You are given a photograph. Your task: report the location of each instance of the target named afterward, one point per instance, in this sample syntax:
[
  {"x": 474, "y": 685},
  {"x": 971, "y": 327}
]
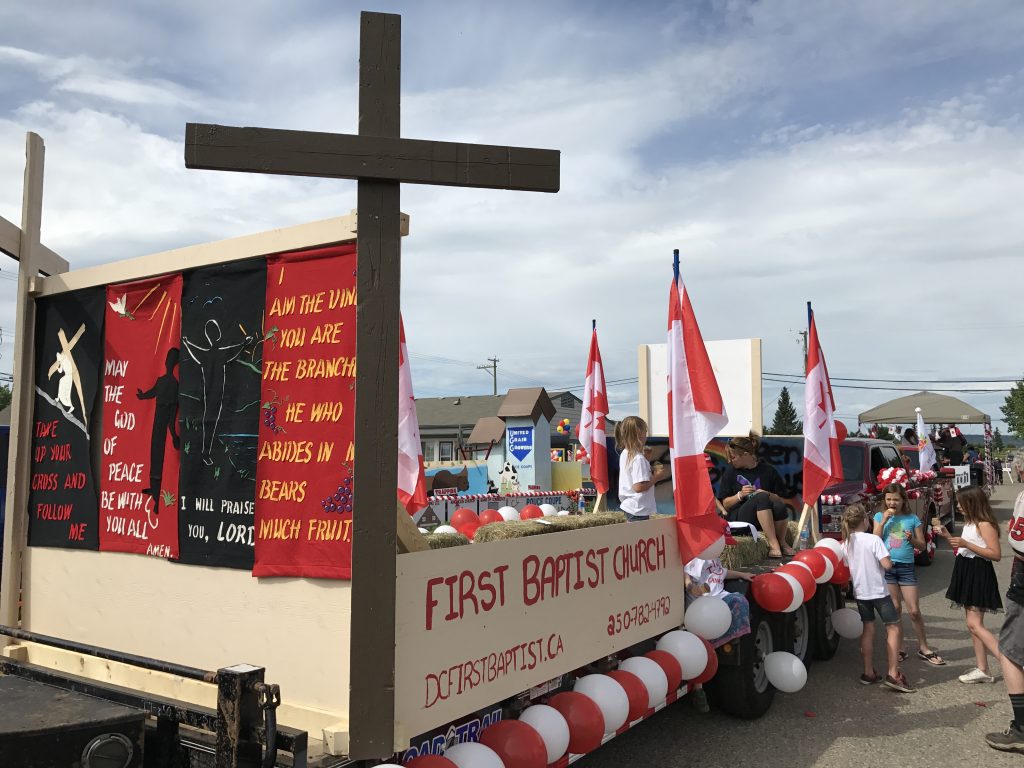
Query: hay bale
[
  {"x": 445, "y": 540},
  {"x": 575, "y": 522},
  {"x": 511, "y": 529},
  {"x": 744, "y": 553}
]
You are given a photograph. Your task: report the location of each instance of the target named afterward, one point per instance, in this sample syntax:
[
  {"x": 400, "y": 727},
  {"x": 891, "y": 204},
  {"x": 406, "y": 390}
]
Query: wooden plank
[
  {"x": 18, "y": 469},
  {"x": 49, "y": 263},
  {"x": 374, "y": 537},
  {"x": 345, "y": 156},
  {"x": 326, "y": 232}
]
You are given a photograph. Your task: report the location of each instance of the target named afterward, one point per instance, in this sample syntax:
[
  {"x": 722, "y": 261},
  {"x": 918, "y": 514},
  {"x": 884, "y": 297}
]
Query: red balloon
[
  {"x": 813, "y": 559},
  {"x": 803, "y": 576},
  {"x": 530, "y": 512},
  {"x": 711, "y": 669},
  {"x": 468, "y": 528},
  {"x": 586, "y": 723},
  {"x": 462, "y": 516},
  {"x": 841, "y": 576},
  {"x": 772, "y": 592},
  {"x": 635, "y": 690},
  {"x": 670, "y": 666},
  {"x": 489, "y": 516},
  {"x": 430, "y": 761},
  {"x": 826, "y": 552},
  {"x": 517, "y": 744}
]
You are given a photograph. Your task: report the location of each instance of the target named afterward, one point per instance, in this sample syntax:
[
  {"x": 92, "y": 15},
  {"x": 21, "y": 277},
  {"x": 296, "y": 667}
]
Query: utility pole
[{"x": 493, "y": 368}]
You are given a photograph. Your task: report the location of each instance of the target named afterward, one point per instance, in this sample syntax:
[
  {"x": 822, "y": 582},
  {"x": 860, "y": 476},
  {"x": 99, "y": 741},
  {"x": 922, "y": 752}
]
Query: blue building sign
[{"x": 520, "y": 441}]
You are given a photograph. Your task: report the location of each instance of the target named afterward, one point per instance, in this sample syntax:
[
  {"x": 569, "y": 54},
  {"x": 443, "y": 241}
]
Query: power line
[{"x": 894, "y": 389}]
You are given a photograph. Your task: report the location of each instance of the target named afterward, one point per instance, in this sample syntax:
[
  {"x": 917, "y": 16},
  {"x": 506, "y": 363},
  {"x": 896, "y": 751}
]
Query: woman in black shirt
[{"x": 751, "y": 492}]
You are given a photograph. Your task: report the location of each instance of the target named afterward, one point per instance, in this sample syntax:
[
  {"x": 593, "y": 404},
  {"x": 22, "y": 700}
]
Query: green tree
[
  {"x": 997, "y": 442},
  {"x": 1013, "y": 410},
  {"x": 786, "y": 421},
  {"x": 5, "y": 396}
]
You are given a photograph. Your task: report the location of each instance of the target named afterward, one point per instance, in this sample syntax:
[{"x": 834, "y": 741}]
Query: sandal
[
  {"x": 902, "y": 656},
  {"x": 932, "y": 658},
  {"x": 774, "y": 555},
  {"x": 788, "y": 551}
]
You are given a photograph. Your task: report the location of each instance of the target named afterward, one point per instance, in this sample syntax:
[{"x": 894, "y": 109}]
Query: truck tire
[
  {"x": 744, "y": 691},
  {"x": 798, "y": 632},
  {"x": 824, "y": 639}
]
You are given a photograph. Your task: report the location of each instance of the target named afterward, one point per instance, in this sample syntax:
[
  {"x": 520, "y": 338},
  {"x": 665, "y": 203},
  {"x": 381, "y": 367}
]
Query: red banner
[
  {"x": 139, "y": 475},
  {"x": 304, "y": 464}
]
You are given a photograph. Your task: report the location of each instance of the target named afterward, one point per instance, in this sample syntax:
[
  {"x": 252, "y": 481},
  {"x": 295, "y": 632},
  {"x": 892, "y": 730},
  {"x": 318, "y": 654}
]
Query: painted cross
[{"x": 380, "y": 160}]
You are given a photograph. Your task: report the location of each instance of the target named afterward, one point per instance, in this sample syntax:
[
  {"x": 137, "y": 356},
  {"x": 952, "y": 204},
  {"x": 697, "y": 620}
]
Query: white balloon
[
  {"x": 829, "y": 570},
  {"x": 564, "y": 513},
  {"x": 714, "y": 550},
  {"x": 424, "y": 530},
  {"x": 785, "y": 671},
  {"x": 552, "y": 727},
  {"x": 548, "y": 510},
  {"x": 847, "y": 623},
  {"x": 832, "y": 544},
  {"x": 609, "y": 696},
  {"x": 798, "y": 592},
  {"x": 709, "y": 617},
  {"x": 651, "y": 675},
  {"x": 445, "y": 529},
  {"x": 687, "y": 648},
  {"x": 472, "y": 754},
  {"x": 508, "y": 513}
]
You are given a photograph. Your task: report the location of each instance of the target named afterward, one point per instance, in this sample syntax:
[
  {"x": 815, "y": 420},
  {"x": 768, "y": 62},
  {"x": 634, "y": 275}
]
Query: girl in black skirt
[{"x": 973, "y": 584}]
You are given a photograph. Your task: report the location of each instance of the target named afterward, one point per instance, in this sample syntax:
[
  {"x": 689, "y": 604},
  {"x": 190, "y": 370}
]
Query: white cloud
[{"x": 906, "y": 211}]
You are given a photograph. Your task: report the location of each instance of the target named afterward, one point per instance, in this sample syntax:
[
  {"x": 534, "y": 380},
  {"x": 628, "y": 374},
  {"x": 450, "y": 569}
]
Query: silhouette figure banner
[{"x": 141, "y": 440}]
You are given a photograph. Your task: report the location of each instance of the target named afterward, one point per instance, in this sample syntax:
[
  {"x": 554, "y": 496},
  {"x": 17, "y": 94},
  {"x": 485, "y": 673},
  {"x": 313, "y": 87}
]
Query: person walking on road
[
  {"x": 868, "y": 560},
  {"x": 902, "y": 532},
  {"x": 973, "y": 585},
  {"x": 1011, "y": 639}
]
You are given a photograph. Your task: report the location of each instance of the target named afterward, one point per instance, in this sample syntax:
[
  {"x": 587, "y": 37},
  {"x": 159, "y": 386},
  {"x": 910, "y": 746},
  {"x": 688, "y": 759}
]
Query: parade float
[{"x": 203, "y": 527}]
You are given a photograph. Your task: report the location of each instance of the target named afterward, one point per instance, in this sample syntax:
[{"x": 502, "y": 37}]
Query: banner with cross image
[{"x": 69, "y": 350}]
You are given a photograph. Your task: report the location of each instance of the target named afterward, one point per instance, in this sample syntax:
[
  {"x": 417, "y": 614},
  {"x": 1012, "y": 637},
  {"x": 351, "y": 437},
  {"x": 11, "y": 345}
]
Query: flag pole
[
  {"x": 809, "y": 514},
  {"x": 600, "y": 501}
]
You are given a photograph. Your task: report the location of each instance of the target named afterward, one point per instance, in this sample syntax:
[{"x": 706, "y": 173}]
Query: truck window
[
  {"x": 878, "y": 462},
  {"x": 891, "y": 457},
  {"x": 853, "y": 461}
]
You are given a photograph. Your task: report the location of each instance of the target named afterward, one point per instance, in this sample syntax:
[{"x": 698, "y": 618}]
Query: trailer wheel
[
  {"x": 824, "y": 639},
  {"x": 798, "y": 637},
  {"x": 744, "y": 690}
]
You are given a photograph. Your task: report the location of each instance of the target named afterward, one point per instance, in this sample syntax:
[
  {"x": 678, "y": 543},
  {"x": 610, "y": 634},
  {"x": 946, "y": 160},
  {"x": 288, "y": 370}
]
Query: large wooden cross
[{"x": 380, "y": 160}]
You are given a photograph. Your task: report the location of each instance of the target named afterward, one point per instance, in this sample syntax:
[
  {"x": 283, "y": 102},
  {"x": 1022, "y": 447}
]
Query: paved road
[{"x": 835, "y": 721}]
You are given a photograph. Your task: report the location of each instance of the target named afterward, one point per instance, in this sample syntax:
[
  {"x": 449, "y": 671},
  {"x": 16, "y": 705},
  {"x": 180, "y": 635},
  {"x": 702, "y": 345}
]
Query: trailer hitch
[{"x": 268, "y": 696}]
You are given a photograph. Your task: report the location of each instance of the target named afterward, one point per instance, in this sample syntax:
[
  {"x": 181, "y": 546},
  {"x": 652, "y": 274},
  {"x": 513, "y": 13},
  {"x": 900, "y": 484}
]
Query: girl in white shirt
[
  {"x": 636, "y": 481},
  {"x": 973, "y": 584},
  {"x": 868, "y": 559}
]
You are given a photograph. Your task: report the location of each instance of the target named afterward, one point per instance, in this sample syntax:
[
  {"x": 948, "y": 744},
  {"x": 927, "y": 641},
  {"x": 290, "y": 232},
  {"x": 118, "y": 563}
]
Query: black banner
[
  {"x": 222, "y": 339},
  {"x": 63, "y": 510}
]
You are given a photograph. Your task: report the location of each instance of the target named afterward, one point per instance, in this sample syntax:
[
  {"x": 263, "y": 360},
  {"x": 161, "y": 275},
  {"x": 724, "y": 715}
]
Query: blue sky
[{"x": 866, "y": 156}]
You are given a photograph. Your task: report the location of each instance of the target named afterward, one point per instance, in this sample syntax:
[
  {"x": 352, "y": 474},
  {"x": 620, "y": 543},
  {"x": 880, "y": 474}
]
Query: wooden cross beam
[{"x": 380, "y": 160}]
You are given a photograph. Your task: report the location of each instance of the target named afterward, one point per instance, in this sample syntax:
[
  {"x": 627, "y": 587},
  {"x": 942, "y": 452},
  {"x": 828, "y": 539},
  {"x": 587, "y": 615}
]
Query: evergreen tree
[
  {"x": 997, "y": 442},
  {"x": 5, "y": 396},
  {"x": 1013, "y": 410},
  {"x": 786, "y": 421}
]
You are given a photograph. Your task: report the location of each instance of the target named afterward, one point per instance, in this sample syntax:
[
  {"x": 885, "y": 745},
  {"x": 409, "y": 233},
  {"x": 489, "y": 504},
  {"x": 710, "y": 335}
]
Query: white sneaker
[{"x": 976, "y": 676}]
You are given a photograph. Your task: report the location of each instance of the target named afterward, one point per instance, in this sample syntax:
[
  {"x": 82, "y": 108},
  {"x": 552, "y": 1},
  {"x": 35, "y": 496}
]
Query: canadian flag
[
  {"x": 696, "y": 414},
  {"x": 592, "y": 420},
  {"x": 822, "y": 462},
  {"x": 412, "y": 483}
]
